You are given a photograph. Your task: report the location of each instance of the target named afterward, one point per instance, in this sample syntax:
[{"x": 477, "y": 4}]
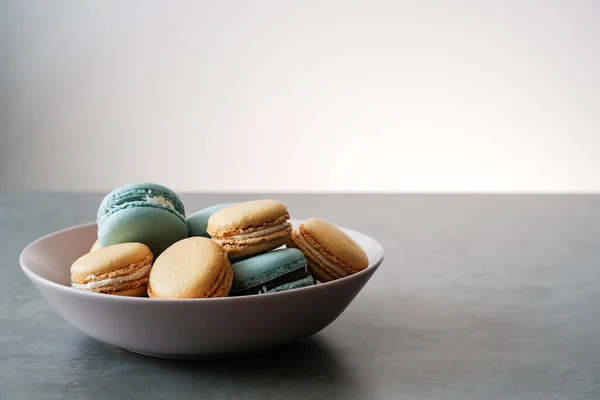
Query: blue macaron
[
  {"x": 146, "y": 213},
  {"x": 275, "y": 271},
  {"x": 198, "y": 221}
]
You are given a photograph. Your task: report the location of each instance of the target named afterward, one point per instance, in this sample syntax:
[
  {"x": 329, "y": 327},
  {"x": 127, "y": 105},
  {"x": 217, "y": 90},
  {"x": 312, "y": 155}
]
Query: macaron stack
[{"x": 147, "y": 247}]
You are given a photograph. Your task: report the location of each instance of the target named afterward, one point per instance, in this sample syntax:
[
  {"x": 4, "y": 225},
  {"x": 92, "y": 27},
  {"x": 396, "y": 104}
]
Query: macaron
[
  {"x": 275, "y": 271},
  {"x": 250, "y": 228},
  {"x": 195, "y": 267},
  {"x": 331, "y": 254},
  {"x": 121, "y": 269},
  {"x": 198, "y": 221},
  {"x": 95, "y": 246},
  {"x": 146, "y": 213}
]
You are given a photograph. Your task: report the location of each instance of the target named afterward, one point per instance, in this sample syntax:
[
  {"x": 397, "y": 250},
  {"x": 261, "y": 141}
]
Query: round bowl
[{"x": 180, "y": 328}]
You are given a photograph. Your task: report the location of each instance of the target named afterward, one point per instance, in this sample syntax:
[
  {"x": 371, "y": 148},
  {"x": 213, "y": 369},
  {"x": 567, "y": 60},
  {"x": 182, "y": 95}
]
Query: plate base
[{"x": 224, "y": 356}]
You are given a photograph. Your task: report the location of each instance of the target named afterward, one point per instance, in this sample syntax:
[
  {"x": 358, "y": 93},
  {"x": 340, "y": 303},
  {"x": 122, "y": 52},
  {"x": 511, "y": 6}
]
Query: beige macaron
[
  {"x": 250, "y": 228},
  {"x": 330, "y": 253},
  {"x": 96, "y": 246},
  {"x": 121, "y": 269},
  {"x": 195, "y": 267}
]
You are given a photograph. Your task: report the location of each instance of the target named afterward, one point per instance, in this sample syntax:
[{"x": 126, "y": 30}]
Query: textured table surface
[{"x": 479, "y": 297}]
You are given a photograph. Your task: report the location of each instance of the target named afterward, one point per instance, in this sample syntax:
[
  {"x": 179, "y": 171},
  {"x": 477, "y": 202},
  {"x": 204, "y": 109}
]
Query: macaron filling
[
  {"x": 137, "y": 274},
  {"x": 319, "y": 256},
  {"x": 261, "y": 232},
  {"x": 162, "y": 201}
]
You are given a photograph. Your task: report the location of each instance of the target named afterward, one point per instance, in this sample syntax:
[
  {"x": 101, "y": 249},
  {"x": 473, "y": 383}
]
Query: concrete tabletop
[{"x": 479, "y": 297}]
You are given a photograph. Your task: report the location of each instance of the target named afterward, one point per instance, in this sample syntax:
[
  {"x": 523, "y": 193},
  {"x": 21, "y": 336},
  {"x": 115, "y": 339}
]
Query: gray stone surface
[{"x": 479, "y": 297}]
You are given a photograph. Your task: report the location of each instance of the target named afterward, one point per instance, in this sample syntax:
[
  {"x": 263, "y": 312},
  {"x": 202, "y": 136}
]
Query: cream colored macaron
[
  {"x": 250, "y": 228},
  {"x": 195, "y": 267},
  {"x": 331, "y": 254},
  {"x": 96, "y": 246},
  {"x": 121, "y": 269}
]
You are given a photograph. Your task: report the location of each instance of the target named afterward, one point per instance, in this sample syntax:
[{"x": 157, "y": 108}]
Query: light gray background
[{"x": 370, "y": 95}]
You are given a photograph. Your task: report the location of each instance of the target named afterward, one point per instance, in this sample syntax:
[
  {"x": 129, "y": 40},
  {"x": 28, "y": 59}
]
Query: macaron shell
[
  {"x": 335, "y": 241},
  {"x": 277, "y": 262},
  {"x": 96, "y": 246},
  {"x": 236, "y": 251},
  {"x": 305, "y": 282},
  {"x": 191, "y": 268},
  {"x": 140, "y": 291},
  {"x": 224, "y": 288},
  {"x": 156, "y": 228},
  {"x": 318, "y": 270},
  {"x": 265, "y": 270},
  {"x": 139, "y": 192},
  {"x": 318, "y": 273},
  {"x": 110, "y": 258},
  {"x": 243, "y": 215},
  {"x": 198, "y": 222}
]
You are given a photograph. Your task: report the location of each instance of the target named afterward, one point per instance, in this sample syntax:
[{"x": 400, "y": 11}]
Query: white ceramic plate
[{"x": 188, "y": 327}]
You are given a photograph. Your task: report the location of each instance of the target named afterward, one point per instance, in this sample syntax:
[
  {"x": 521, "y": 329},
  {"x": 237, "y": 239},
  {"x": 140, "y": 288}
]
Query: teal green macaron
[
  {"x": 275, "y": 271},
  {"x": 198, "y": 221},
  {"x": 146, "y": 213}
]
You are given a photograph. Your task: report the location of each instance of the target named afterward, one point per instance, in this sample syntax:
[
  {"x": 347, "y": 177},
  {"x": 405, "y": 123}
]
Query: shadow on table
[
  {"x": 311, "y": 366},
  {"x": 309, "y": 357}
]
